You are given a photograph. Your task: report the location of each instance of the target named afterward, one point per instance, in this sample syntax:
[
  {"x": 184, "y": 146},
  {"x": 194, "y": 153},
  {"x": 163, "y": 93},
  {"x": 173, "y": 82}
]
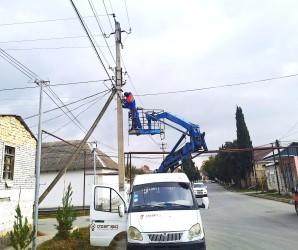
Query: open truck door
[{"x": 108, "y": 215}]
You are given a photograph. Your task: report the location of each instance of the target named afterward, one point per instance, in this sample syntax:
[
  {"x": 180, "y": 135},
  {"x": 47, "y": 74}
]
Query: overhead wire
[
  {"x": 84, "y": 104},
  {"x": 221, "y": 86},
  {"x": 45, "y": 39},
  {"x": 84, "y": 98},
  {"x": 18, "y": 65},
  {"x": 100, "y": 27},
  {"x": 57, "y": 48},
  {"x": 90, "y": 39},
  {"x": 32, "y": 76},
  {"x": 127, "y": 14},
  {"x": 77, "y": 115},
  {"x": 44, "y": 21},
  {"x": 53, "y": 85},
  {"x": 107, "y": 13}
]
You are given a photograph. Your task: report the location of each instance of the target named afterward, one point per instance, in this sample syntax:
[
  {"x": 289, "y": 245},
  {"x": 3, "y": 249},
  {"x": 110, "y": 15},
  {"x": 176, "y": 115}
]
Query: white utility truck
[{"x": 162, "y": 213}]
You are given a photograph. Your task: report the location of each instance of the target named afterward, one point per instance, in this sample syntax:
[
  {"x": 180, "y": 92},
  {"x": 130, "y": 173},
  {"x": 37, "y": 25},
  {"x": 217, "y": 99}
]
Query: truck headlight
[
  {"x": 195, "y": 231},
  {"x": 134, "y": 234}
]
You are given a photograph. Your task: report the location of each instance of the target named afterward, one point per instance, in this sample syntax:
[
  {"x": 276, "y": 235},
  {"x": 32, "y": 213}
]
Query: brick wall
[{"x": 21, "y": 188}]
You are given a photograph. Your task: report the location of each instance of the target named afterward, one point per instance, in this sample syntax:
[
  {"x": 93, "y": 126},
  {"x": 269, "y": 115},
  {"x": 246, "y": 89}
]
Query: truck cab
[{"x": 162, "y": 212}]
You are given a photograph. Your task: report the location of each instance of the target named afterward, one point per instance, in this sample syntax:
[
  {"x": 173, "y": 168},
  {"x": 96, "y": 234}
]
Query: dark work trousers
[{"x": 136, "y": 123}]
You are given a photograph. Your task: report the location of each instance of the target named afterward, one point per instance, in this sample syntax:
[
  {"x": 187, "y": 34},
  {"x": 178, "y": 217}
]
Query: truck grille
[{"x": 165, "y": 237}]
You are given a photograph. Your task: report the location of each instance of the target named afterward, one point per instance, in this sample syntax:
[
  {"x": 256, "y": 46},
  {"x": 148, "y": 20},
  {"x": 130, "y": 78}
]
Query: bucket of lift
[{"x": 144, "y": 123}]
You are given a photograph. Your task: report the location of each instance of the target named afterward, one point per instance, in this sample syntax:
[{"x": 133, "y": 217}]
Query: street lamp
[{"x": 94, "y": 146}]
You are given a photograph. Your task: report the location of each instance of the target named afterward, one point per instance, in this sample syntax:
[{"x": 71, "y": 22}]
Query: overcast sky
[{"x": 175, "y": 45}]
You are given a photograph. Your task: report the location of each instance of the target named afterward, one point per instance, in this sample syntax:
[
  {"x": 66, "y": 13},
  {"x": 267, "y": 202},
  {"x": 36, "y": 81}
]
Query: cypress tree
[{"x": 245, "y": 159}]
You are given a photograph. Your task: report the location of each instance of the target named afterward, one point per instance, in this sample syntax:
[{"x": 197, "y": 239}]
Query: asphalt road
[{"x": 237, "y": 221}]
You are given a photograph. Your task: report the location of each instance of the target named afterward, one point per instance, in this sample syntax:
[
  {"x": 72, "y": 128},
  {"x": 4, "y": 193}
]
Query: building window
[{"x": 9, "y": 156}]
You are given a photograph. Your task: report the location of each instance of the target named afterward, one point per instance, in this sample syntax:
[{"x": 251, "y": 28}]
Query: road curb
[{"x": 271, "y": 198}]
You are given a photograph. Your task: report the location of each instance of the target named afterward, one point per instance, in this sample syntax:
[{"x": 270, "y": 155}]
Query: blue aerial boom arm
[{"x": 197, "y": 141}]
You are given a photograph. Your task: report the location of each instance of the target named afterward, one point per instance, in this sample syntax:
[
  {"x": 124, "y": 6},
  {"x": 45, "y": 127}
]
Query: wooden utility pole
[{"x": 121, "y": 168}]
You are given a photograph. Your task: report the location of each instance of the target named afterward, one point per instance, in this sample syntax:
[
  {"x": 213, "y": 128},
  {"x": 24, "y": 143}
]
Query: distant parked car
[
  {"x": 213, "y": 181},
  {"x": 200, "y": 190}
]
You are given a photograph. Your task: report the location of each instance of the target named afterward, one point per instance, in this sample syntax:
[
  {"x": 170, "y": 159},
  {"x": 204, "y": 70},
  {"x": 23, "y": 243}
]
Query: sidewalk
[{"x": 268, "y": 197}]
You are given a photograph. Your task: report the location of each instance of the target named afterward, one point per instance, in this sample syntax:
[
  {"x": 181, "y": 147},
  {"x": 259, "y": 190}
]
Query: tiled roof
[{"x": 55, "y": 155}]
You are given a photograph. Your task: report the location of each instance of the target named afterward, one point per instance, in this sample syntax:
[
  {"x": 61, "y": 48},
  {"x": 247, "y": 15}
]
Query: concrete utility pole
[
  {"x": 37, "y": 164},
  {"x": 121, "y": 167}
]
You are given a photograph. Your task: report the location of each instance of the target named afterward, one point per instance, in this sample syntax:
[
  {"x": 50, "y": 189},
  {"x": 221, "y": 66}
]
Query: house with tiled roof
[
  {"x": 285, "y": 164},
  {"x": 55, "y": 155}
]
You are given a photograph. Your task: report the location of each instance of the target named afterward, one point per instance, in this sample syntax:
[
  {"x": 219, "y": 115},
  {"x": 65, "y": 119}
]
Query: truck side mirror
[{"x": 121, "y": 210}]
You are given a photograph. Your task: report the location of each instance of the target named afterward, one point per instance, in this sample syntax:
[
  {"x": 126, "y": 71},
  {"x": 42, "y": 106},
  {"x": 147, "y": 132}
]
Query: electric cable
[
  {"x": 57, "y": 48},
  {"x": 127, "y": 14},
  {"x": 44, "y": 21},
  {"x": 91, "y": 41},
  {"x": 107, "y": 13},
  {"x": 18, "y": 65},
  {"x": 84, "y": 98},
  {"x": 54, "y": 85},
  {"x": 75, "y": 120},
  {"x": 76, "y": 116},
  {"x": 45, "y": 39},
  {"x": 100, "y": 27},
  {"x": 84, "y": 104},
  {"x": 221, "y": 86}
]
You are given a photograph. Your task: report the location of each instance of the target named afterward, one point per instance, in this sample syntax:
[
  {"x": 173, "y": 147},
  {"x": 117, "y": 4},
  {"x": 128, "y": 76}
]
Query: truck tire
[{"x": 296, "y": 207}]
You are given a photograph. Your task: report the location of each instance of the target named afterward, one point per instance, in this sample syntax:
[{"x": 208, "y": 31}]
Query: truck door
[{"x": 106, "y": 215}]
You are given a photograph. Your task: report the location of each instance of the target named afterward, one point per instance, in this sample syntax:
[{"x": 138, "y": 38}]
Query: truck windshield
[
  {"x": 198, "y": 185},
  {"x": 162, "y": 196}
]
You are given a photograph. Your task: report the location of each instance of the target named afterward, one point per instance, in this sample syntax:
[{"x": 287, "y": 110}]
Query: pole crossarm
[{"x": 79, "y": 148}]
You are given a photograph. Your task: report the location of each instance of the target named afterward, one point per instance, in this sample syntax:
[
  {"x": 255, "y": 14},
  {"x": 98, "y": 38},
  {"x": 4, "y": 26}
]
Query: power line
[
  {"x": 18, "y": 65},
  {"x": 127, "y": 14},
  {"x": 54, "y": 85},
  {"x": 131, "y": 81},
  {"x": 76, "y": 116},
  {"x": 90, "y": 39},
  {"x": 75, "y": 120},
  {"x": 64, "y": 47},
  {"x": 220, "y": 86},
  {"x": 59, "y": 107},
  {"x": 44, "y": 21},
  {"x": 93, "y": 100},
  {"x": 107, "y": 13},
  {"x": 45, "y": 39},
  {"x": 100, "y": 27}
]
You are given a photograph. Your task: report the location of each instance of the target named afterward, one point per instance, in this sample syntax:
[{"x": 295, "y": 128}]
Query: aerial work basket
[{"x": 143, "y": 123}]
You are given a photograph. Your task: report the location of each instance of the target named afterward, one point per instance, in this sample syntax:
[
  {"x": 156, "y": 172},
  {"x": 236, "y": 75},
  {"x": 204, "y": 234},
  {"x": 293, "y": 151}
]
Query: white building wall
[
  {"x": 76, "y": 178},
  {"x": 20, "y": 189}
]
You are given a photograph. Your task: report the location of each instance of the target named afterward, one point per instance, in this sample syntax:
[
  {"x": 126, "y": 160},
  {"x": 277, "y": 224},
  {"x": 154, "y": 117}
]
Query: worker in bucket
[{"x": 129, "y": 102}]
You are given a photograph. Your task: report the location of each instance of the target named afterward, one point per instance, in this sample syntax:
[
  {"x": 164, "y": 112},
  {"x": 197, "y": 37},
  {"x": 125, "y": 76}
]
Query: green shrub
[
  {"x": 21, "y": 237},
  {"x": 65, "y": 216}
]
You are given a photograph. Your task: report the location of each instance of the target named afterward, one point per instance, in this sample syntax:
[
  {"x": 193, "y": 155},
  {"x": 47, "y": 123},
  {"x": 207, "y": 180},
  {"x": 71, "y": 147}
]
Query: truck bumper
[{"x": 192, "y": 245}]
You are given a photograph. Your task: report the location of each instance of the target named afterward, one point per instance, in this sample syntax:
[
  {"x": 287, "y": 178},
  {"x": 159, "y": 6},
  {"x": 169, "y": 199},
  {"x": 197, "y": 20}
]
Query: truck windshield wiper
[
  {"x": 148, "y": 205},
  {"x": 173, "y": 204}
]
